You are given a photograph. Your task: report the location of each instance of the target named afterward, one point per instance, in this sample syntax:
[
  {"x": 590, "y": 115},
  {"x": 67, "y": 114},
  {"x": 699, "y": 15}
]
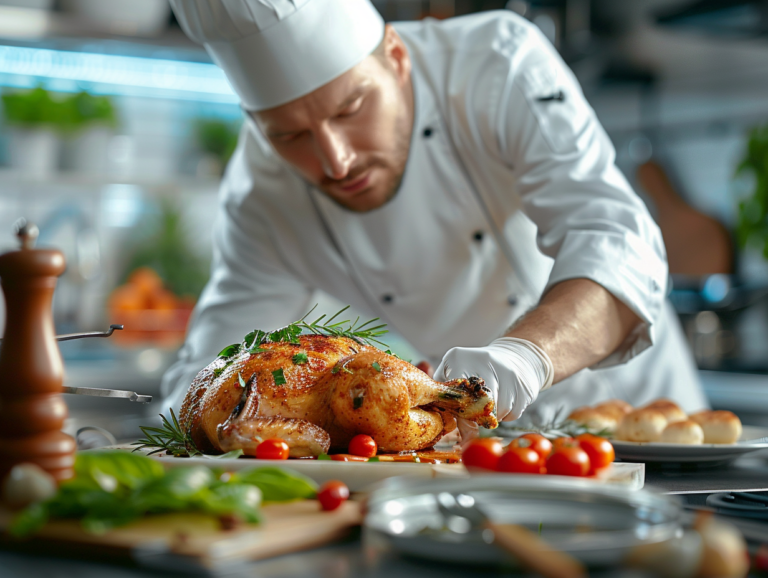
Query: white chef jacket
[{"x": 510, "y": 187}]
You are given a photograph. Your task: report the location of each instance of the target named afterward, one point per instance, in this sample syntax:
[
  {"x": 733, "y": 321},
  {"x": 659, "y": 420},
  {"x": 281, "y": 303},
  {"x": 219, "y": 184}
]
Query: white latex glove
[{"x": 515, "y": 370}]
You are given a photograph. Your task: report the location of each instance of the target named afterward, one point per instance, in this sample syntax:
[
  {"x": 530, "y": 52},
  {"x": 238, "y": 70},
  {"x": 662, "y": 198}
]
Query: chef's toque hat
[{"x": 274, "y": 51}]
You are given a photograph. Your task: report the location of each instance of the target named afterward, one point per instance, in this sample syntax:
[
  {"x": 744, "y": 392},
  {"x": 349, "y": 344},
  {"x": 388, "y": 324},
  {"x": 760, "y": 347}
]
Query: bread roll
[
  {"x": 617, "y": 408},
  {"x": 669, "y": 408},
  {"x": 720, "y": 427},
  {"x": 594, "y": 419},
  {"x": 683, "y": 432},
  {"x": 641, "y": 425}
]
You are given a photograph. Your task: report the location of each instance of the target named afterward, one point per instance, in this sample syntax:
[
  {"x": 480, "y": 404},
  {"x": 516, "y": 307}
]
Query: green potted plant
[
  {"x": 217, "y": 140},
  {"x": 34, "y": 119},
  {"x": 752, "y": 220},
  {"x": 90, "y": 123}
]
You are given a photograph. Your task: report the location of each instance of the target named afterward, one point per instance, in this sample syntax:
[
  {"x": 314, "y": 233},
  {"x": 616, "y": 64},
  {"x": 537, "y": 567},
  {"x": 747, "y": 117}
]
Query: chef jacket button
[
  {"x": 427, "y": 132},
  {"x": 478, "y": 236},
  {"x": 387, "y": 298},
  {"x": 512, "y": 300}
]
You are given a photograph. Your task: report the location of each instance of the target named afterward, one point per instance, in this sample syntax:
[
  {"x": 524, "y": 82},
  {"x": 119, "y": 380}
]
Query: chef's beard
[{"x": 393, "y": 165}]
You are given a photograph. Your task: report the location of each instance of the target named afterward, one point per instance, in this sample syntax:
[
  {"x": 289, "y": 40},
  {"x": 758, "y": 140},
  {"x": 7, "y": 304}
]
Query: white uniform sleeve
[
  {"x": 250, "y": 287},
  {"x": 588, "y": 217}
]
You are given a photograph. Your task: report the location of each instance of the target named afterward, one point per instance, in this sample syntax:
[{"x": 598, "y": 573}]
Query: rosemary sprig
[
  {"x": 170, "y": 438},
  {"x": 366, "y": 333},
  {"x": 361, "y": 332},
  {"x": 556, "y": 428}
]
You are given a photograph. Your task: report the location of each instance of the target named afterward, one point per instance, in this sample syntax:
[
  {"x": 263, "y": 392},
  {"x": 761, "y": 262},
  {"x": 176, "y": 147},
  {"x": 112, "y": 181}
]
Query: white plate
[{"x": 684, "y": 453}]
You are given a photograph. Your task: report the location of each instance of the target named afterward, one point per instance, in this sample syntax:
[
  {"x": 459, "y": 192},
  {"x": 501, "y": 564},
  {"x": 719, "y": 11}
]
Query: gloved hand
[{"x": 515, "y": 370}]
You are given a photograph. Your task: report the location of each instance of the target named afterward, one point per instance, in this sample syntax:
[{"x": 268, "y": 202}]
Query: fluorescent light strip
[{"x": 124, "y": 74}]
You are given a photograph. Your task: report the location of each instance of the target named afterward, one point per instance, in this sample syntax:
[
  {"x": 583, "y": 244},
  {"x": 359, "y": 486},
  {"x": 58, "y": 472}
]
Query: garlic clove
[{"x": 27, "y": 483}]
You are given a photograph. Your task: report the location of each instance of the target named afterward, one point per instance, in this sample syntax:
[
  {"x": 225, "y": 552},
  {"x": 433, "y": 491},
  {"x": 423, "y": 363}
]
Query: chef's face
[{"x": 350, "y": 137}]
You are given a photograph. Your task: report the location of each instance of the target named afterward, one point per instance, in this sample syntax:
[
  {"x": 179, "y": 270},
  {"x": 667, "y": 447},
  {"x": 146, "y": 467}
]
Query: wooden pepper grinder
[{"x": 32, "y": 410}]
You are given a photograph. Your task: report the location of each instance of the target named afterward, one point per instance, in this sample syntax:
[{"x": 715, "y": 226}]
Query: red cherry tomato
[
  {"x": 363, "y": 445},
  {"x": 564, "y": 442},
  {"x": 273, "y": 449},
  {"x": 568, "y": 461},
  {"x": 332, "y": 494},
  {"x": 347, "y": 458},
  {"x": 482, "y": 453},
  {"x": 520, "y": 461},
  {"x": 536, "y": 442},
  {"x": 599, "y": 450}
]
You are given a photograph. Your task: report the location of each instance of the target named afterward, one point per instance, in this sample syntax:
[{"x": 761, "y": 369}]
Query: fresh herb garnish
[
  {"x": 374, "y": 459},
  {"x": 323, "y": 457},
  {"x": 114, "y": 488},
  {"x": 230, "y": 350},
  {"x": 448, "y": 394},
  {"x": 300, "y": 358},
  {"x": 376, "y": 366},
  {"x": 336, "y": 369},
  {"x": 279, "y": 376},
  {"x": 170, "y": 437},
  {"x": 218, "y": 371}
]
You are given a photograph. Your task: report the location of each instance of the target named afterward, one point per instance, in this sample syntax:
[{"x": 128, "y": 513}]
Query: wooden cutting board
[{"x": 194, "y": 542}]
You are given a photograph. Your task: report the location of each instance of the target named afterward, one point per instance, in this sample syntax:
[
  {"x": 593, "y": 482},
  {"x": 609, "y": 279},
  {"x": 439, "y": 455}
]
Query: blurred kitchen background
[{"x": 115, "y": 129}]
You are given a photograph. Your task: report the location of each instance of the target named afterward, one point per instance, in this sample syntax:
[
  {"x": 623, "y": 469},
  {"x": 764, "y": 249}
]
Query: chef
[{"x": 446, "y": 176}]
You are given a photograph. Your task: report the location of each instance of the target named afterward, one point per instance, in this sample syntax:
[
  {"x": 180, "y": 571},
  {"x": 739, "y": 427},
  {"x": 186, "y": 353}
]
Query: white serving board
[{"x": 626, "y": 474}]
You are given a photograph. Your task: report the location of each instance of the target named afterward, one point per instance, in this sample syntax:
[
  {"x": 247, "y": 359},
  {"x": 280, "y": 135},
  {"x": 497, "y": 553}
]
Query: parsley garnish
[
  {"x": 300, "y": 358},
  {"x": 230, "y": 350},
  {"x": 218, "y": 371},
  {"x": 279, "y": 376},
  {"x": 376, "y": 366}
]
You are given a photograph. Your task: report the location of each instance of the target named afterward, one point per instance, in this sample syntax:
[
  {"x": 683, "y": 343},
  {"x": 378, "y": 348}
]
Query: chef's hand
[{"x": 515, "y": 370}]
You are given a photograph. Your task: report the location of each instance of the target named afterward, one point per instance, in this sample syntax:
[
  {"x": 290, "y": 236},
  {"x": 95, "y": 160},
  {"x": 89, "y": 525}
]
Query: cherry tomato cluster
[
  {"x": 532, "y": 453},
  {"x": 361, "y": 447}
]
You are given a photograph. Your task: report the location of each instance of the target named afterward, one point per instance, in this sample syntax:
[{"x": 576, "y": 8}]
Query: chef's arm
[{"x": 578, "y": 323}]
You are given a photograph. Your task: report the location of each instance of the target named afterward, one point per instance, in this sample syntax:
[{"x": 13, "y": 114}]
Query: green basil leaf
[
  {"x": 241, "y": 499},
  {"x": 279, "y": 376},
  {"x": 277, "y": 484},
  {"x": 129, "y": 470},
  {"x": 176, "y": 490},
  {"x": 29, "y": 520},
  {"x": 374, "y": 459},
  {"x": 323, "y": 457},
  {"x": 229, "y": 455},
  {"x": 300, "y": 358}
]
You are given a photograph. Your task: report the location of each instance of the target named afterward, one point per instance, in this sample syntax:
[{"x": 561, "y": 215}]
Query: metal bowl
[{"x": 595, "y": 523}]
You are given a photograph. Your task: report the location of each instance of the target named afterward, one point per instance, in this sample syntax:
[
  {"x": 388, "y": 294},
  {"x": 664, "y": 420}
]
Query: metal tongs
[{"x": 97, "y": 391}]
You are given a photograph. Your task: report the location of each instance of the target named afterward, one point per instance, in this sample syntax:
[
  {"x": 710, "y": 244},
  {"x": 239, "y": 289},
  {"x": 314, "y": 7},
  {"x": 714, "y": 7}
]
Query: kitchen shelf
[{"x": 12, "y": 178}]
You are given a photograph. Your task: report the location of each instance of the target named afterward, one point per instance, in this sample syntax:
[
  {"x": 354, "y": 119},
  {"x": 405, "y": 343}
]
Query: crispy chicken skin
[{"x": 343, "y": 389}]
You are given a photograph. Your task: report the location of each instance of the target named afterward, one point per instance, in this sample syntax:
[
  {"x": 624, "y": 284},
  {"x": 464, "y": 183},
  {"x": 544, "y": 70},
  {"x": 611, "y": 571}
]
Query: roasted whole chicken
[{"x": 319, "y": 392}]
